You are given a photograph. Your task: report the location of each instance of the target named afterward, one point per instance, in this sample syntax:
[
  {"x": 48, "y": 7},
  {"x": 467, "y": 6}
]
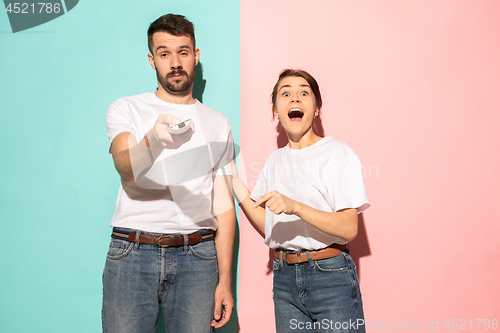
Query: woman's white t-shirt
[{"x": 326, "y": 176}]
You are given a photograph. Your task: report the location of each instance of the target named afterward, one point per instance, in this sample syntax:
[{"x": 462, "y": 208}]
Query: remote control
[{"x": 180, "y": 127}]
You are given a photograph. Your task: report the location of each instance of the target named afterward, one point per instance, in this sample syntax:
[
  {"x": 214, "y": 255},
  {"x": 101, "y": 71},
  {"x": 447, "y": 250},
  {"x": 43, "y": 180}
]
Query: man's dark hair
[{"x": 176, "y": 25}]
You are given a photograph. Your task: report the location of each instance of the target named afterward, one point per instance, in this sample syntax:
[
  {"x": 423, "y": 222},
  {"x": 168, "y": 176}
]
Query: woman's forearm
[{"x": 343, "y": 224}]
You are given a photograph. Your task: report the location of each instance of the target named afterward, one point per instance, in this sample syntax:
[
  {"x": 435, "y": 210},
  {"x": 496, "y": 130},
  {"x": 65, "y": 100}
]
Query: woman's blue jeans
[
  {"x": 317, "y": 296},
  {"x": 138, "y": 278}
]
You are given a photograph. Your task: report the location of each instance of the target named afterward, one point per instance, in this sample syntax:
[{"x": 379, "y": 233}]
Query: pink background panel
[{"x": 413, "y": 87}]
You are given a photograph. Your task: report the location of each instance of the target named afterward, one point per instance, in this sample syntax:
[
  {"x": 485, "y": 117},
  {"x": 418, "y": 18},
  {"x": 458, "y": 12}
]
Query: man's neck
[{"x": 175, "y": 99}]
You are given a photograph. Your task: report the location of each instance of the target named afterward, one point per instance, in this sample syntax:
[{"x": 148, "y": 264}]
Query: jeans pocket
[
  {"x": 334, "y": 264},
  {"x": 119, "y": 249},
  {"x": 204, "y": 250}
]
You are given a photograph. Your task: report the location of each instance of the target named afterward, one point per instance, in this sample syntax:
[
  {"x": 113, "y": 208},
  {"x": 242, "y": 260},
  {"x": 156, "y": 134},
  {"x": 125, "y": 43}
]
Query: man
[{"x": 174, "y": 223}]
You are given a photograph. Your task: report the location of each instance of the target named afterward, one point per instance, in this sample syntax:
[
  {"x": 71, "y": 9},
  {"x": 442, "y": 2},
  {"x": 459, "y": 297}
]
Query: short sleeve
[
  {"x": 222, "y": 150},
  {"x": 346, "y": 186},
  {"x": 117, "y": 122}
]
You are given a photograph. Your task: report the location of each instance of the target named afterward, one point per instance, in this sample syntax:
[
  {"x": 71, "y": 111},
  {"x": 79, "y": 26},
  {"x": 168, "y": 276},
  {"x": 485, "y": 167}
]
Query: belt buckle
[
  {"x": 299, "y": 258},
  {"x": 159, "y": 241}
]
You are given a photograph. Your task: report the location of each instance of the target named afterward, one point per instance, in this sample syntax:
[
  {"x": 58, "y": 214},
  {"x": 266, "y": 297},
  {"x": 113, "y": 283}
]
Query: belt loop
[
  {"x": 311, "y": 262},
  {"x": 186, "y": 242},
  {"x": 137, "y": 236},
  {"x": 281, "y": 258}
]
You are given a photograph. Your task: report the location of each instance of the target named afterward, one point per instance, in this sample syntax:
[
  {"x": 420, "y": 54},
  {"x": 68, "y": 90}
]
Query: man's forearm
[
  {"x": 224, "y": 212},
  {"x": 224, "y": 242},
  {"x": 135, "y": 160}
]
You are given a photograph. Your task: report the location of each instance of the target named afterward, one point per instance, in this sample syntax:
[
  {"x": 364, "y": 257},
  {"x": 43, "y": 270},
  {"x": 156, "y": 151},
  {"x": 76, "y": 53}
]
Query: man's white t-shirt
[
  {"x": 326, "y": 176},
  {"x": 175, "y": 195}
]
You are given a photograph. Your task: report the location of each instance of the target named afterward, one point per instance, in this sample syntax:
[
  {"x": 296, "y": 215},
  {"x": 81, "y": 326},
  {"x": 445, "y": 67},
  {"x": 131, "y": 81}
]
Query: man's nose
[{"x": 174, "y": 62}]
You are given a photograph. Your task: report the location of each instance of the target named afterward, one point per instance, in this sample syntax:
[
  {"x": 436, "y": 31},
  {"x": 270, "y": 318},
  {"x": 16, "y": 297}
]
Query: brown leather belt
[
  {"x": 164, "y": 240},
  {"x": 295, "y": 258}
]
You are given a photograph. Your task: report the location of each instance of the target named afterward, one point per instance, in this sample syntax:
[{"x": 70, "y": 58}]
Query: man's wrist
[
  {"x": 152, "y": 141},
  {"x": 225, "y": 283},
  {"x": 225, "y": 276}
]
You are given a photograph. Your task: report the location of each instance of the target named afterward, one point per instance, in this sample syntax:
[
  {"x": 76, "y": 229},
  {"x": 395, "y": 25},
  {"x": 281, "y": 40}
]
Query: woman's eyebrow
[{"x": 289, "y": 86}]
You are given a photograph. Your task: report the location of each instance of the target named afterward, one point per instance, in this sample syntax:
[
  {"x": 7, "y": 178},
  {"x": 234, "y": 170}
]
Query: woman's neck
[{"x": 304, "y": 141}]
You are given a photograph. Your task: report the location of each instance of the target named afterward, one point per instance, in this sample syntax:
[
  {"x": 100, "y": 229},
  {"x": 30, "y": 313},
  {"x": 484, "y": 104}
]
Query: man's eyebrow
[{"x": 166, "y": 47}]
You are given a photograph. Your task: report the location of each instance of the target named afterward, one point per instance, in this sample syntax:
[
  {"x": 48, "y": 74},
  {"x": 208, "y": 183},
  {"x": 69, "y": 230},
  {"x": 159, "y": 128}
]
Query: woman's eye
[
  {"x": 286, "y": 94},
  {"x": 304, "y": 93}
]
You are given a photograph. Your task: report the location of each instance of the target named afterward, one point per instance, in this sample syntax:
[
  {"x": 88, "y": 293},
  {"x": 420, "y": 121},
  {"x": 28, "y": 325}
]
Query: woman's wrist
[{"x": 244, "y": 197}]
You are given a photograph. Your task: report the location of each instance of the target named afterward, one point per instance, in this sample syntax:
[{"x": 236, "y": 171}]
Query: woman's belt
[{"x": 295, "y": 258}]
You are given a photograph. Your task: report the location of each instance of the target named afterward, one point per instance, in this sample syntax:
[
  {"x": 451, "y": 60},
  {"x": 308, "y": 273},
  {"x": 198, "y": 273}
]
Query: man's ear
[
  {"x": 196, "y": 56},
  {"x": 151, "y": 60}
]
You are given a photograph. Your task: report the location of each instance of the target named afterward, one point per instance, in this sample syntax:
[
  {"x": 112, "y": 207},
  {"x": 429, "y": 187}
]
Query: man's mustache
[{"x": 177, "y": 72}]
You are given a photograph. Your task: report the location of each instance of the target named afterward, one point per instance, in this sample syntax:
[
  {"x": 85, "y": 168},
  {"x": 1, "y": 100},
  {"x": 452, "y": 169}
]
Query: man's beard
[{"x": 180, "y": 88}]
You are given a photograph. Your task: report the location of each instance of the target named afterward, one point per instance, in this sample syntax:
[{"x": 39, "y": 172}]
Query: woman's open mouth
[{"x": 295, "y": 114}]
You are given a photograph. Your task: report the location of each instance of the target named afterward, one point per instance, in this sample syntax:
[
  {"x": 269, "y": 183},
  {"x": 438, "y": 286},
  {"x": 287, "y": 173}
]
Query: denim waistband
[
  {"x": 128, "y": 231},
  {"x": 310, "y": 250},
  {"x": 296, "y": 251}
]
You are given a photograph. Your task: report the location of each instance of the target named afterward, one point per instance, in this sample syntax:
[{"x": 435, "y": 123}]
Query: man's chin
[
  {"x": 178, "y": 93},
  {"x": 177, "y": 87},
  {"x": 178, "y": 90}
]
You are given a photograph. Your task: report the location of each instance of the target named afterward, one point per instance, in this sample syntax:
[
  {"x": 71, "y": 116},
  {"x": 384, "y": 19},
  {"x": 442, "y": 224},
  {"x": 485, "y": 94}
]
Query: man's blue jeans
[
  {"x": 317, "y": 296},
  {"x": 138, "y": 278}
]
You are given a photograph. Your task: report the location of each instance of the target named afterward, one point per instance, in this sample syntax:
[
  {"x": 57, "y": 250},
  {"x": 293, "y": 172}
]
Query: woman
[{"x": 306, "y": 202}]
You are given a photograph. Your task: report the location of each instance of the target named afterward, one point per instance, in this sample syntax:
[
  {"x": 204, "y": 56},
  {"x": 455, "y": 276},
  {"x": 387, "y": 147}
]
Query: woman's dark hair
[
  {"x": 176, "y": 25},
  {"x": 306, "y": 76}
]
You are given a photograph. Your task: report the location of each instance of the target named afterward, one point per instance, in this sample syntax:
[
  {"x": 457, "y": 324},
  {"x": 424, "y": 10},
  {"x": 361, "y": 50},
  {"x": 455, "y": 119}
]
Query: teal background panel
[{"x": 58, "y": 183}]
